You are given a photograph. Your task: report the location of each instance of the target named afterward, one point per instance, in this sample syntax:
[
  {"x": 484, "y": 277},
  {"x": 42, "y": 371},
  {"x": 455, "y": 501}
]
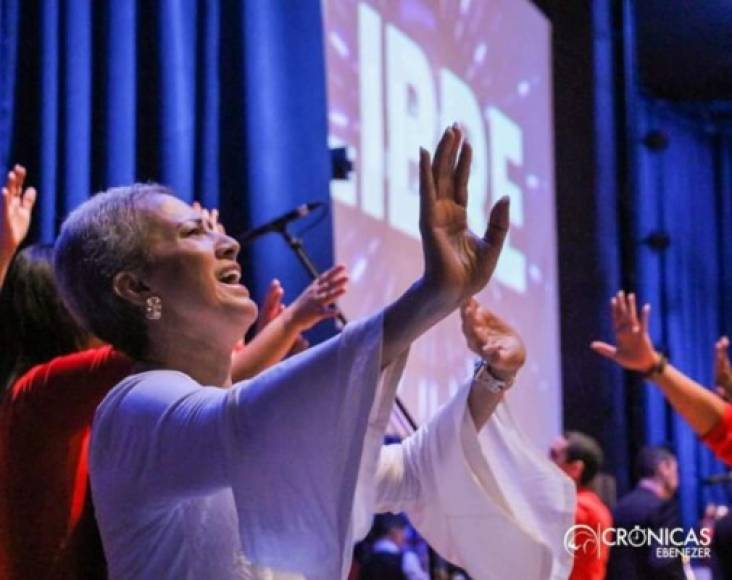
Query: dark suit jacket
[{"x": 644, "y": 508}]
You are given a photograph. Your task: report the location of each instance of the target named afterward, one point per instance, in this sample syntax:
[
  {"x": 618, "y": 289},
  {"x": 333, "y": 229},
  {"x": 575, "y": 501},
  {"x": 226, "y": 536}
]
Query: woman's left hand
[{"x": 492, "y": 339}]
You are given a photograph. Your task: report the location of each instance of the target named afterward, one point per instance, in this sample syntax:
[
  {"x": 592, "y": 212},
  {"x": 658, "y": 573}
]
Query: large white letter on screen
[
  {"x": 458, "y": 103},
  {"x": 411, "y": 112},
  {"x": 371, "y": 96},
  {"x": 507, "y": 147}
]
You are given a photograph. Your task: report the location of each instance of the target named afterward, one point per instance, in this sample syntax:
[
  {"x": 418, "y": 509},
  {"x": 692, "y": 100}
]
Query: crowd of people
[
  {"x": 651, "y": 504},
  {"x": 141, "y": 438}
]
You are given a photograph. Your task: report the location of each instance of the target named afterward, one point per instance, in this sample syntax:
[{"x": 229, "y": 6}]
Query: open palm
[
  {"x": 633, "y": 349},
  {"x": 15, "y": 210},
  {"x": 456, "y": 260}
]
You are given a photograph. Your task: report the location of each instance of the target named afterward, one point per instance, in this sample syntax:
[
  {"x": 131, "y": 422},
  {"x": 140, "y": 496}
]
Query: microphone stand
[{"x": 297, "y": 246}]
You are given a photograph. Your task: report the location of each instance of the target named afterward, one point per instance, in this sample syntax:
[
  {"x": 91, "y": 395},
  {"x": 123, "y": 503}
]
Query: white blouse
[{"x": 274, "y": 478}]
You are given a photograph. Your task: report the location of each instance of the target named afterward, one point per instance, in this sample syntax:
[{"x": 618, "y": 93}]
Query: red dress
[
  {"x": 47, "y": 527},
  {"x": 591, "y": 511}
]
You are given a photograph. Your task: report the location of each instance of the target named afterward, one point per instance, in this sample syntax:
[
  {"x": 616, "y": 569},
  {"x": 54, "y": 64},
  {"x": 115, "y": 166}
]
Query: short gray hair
[{"x": 102, "y": 237}]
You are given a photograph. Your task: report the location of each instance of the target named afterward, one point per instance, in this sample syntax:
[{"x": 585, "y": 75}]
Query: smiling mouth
[{"x": 231, "y": 276}]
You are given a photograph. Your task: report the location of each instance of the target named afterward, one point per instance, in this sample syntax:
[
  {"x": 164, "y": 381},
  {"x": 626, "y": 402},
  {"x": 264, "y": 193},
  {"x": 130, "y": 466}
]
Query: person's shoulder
[
  {"x": 636, "y": 505},
  {"x": 134, "y": 406},
  {"x": 148, "y": 388},
  {"x": 591, "y": 509},
  {"x": 68, "y": 366}
]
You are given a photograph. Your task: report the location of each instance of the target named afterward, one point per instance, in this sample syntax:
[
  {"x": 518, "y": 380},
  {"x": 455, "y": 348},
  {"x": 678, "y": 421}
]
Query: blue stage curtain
[
  {"x": 586, "y": 121},
  {"x": 684, "y": 191},
  {"x": 224, "y": 101},
  {"x": 8, "y": 52}
]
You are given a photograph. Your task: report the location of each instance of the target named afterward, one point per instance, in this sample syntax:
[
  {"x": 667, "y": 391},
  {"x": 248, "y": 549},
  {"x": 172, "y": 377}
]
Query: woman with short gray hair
[
  {"x": 195, "y": 478},
  {"x": 110, "y": 235}
]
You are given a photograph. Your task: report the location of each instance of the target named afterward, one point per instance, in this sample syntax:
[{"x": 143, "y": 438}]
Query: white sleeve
[
  {"x": 488, "y": 502},
  {"x": 288, "y": 443}
]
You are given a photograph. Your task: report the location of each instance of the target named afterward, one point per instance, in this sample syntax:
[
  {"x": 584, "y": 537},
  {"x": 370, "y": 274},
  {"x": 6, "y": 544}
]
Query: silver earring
[{"x": 153, "y": 308}]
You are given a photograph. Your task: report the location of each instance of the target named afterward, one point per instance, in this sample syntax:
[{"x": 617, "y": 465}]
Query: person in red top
[
  {"x": 708, "y": 414},
  {"x": 581, "y": 457},
  {"x": 46, "y": 409},
  {"x": 46, "y": 518}
]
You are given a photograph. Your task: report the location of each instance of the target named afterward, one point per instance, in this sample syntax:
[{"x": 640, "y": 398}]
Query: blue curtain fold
[
  {"x": 8, "y": 64},
  {"x": 224, "y": 101},
  {"x": 589, "y": 232},
  {"x": 684, "y": 192}
]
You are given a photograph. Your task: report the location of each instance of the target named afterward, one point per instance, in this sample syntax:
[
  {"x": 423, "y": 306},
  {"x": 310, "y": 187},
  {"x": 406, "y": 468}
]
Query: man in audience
[
  {"x": 581, "y": 457},
  {"x": 650, "y": 505}
]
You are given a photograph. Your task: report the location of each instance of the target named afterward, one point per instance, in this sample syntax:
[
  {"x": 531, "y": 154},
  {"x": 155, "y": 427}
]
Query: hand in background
[
  {"x": 458, "y": 264},
  {"x": 272, "y": 306},
  {"x": 279, "y": 330},
  {"x": 722, "y": 369},
  {"x": 633, "y": 349},
  {"x": 301, "y": 344},
  {"x": 210, "y": 217},
  {"x": 317, "y": 302},
  {"x": 492, "y": 339},
  {"x": 16, "y": 205}
]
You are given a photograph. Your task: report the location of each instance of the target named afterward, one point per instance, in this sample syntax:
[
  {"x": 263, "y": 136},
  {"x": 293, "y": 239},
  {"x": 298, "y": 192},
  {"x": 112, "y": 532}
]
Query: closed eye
[{"x": 194, "y": 227}]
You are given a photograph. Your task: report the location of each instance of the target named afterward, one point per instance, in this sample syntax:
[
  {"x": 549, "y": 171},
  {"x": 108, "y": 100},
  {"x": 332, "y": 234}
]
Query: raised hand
[
  {"x": 458, "y": 264},
  {"x": 722, "y": 369},
  {"x": 16, "y": 205},
  {"x": 272, "y": 306},
  {"x": 633, "y": 349},
  {"x": 491, "y": 338},
  {"x": 317, "y": 301},
  {"x": 279, "y": 334},
  {"x": 210, "y": 218}
]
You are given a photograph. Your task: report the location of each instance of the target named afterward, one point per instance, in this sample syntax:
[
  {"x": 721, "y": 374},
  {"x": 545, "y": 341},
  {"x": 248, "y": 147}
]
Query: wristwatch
[{"x": 484, "y": 377}]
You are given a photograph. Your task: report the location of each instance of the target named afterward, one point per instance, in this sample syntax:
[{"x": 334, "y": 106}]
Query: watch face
[{"x": 399, "y": 72}]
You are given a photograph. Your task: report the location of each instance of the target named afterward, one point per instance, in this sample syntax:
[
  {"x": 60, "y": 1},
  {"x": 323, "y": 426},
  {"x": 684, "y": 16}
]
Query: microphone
[
  {"x": 718, "y": 478},
  {"x": 279, "y": 223}
]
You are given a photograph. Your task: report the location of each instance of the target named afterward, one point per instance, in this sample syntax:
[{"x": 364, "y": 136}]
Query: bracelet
[
  {"x": 658, "y": 367},
  {"x": 487, "y": 379}
]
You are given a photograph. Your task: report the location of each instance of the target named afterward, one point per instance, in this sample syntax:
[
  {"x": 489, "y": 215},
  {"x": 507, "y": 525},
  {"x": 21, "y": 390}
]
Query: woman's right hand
[{"x": 458, "y": 263}]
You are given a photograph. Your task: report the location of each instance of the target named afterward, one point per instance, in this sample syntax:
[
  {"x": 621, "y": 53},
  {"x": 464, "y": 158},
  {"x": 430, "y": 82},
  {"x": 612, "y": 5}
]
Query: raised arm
[
  {"x": 275, "y": 340},
  {"x": 501, "y": 347},
  {"x": 458, "y": 263},
  {"x": 16, "y": 205},
  {"x": 634, "y": 351}
]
